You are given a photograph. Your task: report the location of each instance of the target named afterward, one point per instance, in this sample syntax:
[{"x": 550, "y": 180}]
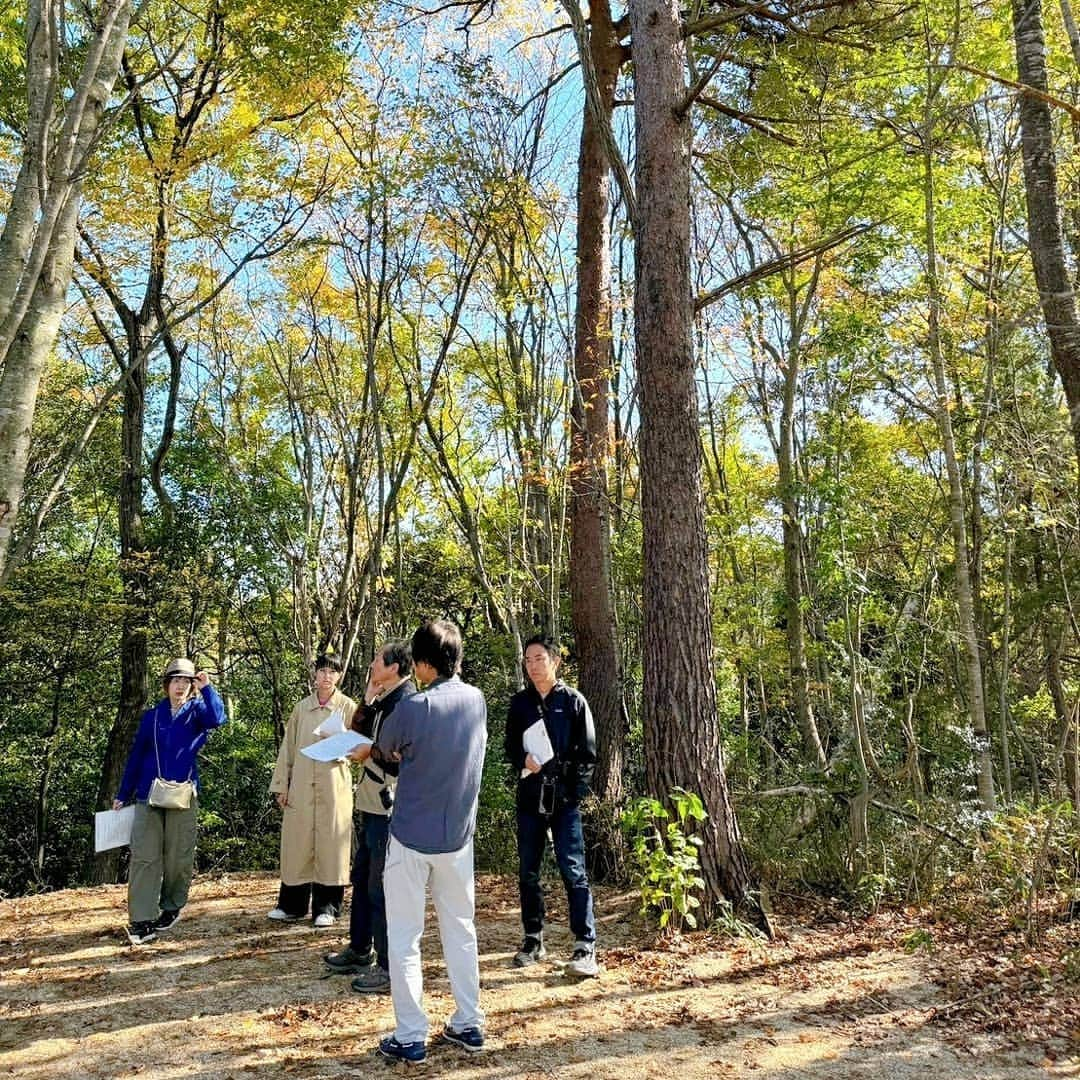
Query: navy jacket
[
  {"x": 179, "y": 740},
  {"x": 569, "y": 723}
]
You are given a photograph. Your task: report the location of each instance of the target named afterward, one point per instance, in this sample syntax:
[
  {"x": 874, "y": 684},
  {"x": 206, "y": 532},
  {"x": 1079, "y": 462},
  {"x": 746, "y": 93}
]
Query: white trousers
[{"x": 407, "y": 876}]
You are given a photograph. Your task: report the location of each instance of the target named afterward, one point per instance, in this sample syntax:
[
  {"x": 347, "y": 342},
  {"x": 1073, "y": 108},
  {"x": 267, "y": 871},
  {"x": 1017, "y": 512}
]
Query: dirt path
[{"x": 228, "y": 995}]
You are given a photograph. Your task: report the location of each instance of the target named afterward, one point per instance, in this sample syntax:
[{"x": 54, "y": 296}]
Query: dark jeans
[
  {"x": 569, "y": 844},
  {"x": 294, "y": 899},
  {"x": 367, "y": 922}
]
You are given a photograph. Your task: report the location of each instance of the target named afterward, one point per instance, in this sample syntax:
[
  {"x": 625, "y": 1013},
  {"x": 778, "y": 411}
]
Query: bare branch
[{"x": 782, "y": 262}]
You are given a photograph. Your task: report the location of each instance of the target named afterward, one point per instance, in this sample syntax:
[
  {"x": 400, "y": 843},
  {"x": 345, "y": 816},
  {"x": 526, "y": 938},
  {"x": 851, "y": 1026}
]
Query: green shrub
[{"x": 665, "y": 858}]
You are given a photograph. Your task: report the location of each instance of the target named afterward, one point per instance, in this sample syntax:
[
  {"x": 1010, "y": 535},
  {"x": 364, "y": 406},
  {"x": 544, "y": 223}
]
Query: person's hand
[
  {"x": 202, "y": 680},
  {"x": 117, "y": 804},
  {"x": 282, "y": 800},
  {"x": 360, "y": 753},
  {"x": 532, "y": 764}
]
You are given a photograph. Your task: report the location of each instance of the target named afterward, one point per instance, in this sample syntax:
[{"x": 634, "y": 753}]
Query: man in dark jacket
[
  {"x": 389, "y": 681},
  {"x": 549, "y": 790}
]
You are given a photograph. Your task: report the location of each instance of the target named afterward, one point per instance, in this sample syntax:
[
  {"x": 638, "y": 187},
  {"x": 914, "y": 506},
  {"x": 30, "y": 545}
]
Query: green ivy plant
[{"x": 664, "y": 856}]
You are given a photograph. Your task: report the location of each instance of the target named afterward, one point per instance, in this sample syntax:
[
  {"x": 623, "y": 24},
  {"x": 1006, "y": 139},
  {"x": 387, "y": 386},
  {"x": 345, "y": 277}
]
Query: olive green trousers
[{"x": 162, "y": 860}]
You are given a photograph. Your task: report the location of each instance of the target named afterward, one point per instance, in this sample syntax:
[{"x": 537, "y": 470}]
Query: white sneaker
[
  {"x": 281, "y": 916},
  {"x": 323, "y": 920},
  {"x": 583, "y": 963}
]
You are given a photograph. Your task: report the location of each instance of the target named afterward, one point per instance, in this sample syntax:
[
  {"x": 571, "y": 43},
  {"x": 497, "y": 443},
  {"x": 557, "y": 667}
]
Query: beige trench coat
[{"x": 316, "y": 826}]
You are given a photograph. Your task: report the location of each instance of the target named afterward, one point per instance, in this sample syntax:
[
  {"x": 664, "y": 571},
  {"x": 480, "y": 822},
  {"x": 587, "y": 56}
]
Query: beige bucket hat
[{"x": 180, "y": 666}]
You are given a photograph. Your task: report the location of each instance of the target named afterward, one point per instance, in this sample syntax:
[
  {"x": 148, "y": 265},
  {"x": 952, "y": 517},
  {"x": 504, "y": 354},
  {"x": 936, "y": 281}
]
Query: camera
[{"x": 546, "y": 805}]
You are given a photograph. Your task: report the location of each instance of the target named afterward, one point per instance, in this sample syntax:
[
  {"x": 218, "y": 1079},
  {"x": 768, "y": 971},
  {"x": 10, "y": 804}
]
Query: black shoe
[
  {"x": 532, "y": 950},
  {"x": 349, "y": 961},
  {"x": 375, "y": 980},
  {"x": 470, "y": 1038},
  {"x": 167, "y": 918},
  {"x": 140, "y": 933}
]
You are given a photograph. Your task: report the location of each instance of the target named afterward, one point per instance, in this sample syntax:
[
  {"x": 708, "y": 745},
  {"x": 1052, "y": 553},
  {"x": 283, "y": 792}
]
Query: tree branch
[{"x": 783, "y": 262}]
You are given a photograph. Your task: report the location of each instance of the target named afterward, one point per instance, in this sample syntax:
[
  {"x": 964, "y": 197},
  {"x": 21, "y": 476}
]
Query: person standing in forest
[
  {"x": 162, "y": 775},
  {"x": 439, "y": 736},
  {"x": 548, "y": 796},
  {"x": 389, "y": 681},
  {"x": 316, "y": 802}
]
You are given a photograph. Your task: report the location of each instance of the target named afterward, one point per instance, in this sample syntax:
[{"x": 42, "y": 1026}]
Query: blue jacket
[
  {"x": 179, "y": 740},
  {"x": 441, "y": 734}
]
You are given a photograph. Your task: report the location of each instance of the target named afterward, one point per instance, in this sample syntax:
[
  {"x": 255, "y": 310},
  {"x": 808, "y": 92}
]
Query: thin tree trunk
[
  {"x": 976, "y": 703},
  {"x": 682, "y": 734},
  {"x": 135, "y": 577},
  {"x": 793, "y": 561},
  {"x": 41, "y": 817},
  {"x": 1003, "y": 681}
]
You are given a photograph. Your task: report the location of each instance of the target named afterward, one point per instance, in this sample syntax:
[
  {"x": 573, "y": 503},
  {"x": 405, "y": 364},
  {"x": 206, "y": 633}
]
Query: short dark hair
[
  {"x": 398, "y": 652},
  {"x": 547, "y": 643},
  {"x": 166, "y": 679},
  {"x": 330, "y": 660},
  {"x": 438, "y": 642}
]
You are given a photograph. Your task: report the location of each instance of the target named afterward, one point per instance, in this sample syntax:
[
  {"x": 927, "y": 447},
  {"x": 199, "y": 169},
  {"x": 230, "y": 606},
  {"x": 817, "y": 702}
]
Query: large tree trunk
[
  {"x": 682, "y": 734},
  {"x": 592, "y": 605},
  {"x": 37, "y": 240},
  {"x": 1044, "y": 220}
]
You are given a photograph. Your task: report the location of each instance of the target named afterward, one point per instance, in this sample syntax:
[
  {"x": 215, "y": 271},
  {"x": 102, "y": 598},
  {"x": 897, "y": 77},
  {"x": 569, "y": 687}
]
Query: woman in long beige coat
[{"x": 316, "y": 801}]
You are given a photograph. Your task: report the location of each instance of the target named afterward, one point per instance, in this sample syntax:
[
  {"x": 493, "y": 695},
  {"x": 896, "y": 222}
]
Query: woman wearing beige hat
[{"x": 162, "y": 775}]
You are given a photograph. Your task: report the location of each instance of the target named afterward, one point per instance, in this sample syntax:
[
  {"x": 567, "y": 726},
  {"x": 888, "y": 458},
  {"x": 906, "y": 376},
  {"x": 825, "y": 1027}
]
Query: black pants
[
  {"x": 367, "y": 922},
  {"x": 294, "y": 899}
]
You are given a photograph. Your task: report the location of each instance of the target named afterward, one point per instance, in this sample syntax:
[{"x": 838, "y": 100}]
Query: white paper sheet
[
  {"x": 112, "y": 828},
  {"x": 336, "y": 747},
  {"x": 334, "y": 724},
  {"x": 536, "y": 741}
]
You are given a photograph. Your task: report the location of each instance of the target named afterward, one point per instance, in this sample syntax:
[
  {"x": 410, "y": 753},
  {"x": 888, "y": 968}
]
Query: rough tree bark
[
  {"x": 591, "y": 600},
  {"x": 1052, "y": 275},
  {"x": 682, "y": 734}
]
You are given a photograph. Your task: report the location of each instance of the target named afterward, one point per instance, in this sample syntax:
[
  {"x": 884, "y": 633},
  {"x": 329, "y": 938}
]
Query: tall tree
[
  {"x": 165, "y": 136},
  {"x": 1052, "y": 275},
  {"x": 591, "y": 601},
  {"x": 682, "y": 732},
  {"x": 37, "y": 243}
]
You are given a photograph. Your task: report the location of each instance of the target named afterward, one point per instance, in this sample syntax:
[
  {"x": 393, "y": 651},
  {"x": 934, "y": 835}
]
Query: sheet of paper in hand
[
  {"x": 334, "y": 724},
  {"x": 112, "y": 828},
  {"x": 335, "y": 747},
  {"x": 536, "y": 742}
]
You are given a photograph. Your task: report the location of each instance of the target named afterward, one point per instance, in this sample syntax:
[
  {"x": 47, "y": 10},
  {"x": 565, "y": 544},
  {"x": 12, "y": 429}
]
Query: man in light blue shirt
[{"x": 439, "y": 736}]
